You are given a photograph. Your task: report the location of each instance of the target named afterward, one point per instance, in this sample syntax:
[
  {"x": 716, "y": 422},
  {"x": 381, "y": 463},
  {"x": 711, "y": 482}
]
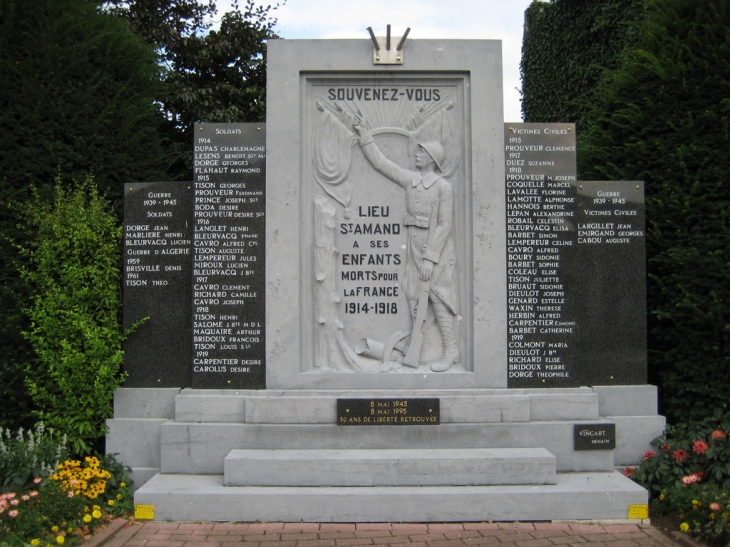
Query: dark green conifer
[{"x": 664, "y": 117}]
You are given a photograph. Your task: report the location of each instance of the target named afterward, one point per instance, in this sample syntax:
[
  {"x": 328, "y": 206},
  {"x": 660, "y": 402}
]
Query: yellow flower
[
  {"x": 110, "y": 502},
  {"x": 87, "y": 518},
  {"x": 96, "y": 514},
  {"x": 695, "y": 502},
  {"x": 54, "y": 528},
  {"x": 684, "y": 527},
  {"x": 122, "y": 485},
  {"x": 119, "y": 496},
  {"x": 712, "y": 516},
  {"x": 661, "y": 496},
  {"x": 35, "y": 541},
  {"x": 60, "y": 540}
]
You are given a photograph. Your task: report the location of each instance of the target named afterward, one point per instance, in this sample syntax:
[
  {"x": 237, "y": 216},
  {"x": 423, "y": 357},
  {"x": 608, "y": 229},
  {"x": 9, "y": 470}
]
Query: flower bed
[
  {"x": 688, "y": 477},
  {"x": 45, "y": 503}
]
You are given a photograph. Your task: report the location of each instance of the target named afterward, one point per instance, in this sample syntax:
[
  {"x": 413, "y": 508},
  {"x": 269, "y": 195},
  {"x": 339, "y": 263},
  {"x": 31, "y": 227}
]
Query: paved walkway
[{"x": 518, "y": 534}]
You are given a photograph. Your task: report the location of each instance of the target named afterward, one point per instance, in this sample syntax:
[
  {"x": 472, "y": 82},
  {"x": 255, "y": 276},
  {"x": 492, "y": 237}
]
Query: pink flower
[
  {"x": 694, "y": 477},
  {"x": 14, "y": 502},
  {"x": 649, "y": 455},
  {"x": 629, "y": 471},
  {"x": 73, "y": 482},
  {"x": 715, "y": 507},
  {"x": 37, "y": 480},
  {"x": 700, "y": 447},
  {"x": 680, "y": 455},
  {"x": 25, "y": 498},
  {"x": 718, "y": 435},
  {"x": 33, "y": 494},
  {"x": 12, "y": 514},
  {"x": 70, "y": 493}
]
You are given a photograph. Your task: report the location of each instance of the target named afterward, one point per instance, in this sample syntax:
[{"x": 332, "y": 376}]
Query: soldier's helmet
[{"x": 435, "y": 150}]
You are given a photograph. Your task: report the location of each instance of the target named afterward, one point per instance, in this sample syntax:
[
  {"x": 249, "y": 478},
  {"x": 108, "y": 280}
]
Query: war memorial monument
[{"x": 385, "y": 304}]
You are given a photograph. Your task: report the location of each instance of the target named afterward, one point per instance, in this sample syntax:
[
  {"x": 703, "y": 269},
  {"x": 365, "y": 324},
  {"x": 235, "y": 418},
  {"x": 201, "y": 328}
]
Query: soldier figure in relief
[{"x": 431, "y": 253}]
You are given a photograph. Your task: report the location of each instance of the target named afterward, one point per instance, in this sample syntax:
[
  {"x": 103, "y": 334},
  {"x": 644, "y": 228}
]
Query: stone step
[
  {"x": 576, "y": 496},
  {"x": 390, "y": 467},
  {"x": 319, "y": 406},
  {"x": 201, "y": 448}
]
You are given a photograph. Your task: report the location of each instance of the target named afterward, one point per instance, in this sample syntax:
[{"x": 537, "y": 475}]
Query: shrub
[
  {"x": 689, "y": 476},
  {"x": 74, "y": 257},
  {"x": 688, "y": 453}
]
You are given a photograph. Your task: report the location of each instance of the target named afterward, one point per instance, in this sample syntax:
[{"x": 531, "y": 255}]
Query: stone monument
[
  {"x": 392, "y": 175},
  {"x": 415, "y": 272}
]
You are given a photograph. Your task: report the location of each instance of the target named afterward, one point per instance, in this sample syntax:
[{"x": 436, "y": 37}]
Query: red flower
[
  {"x": 700, "y": 447},
  {"x": 680, "y": 455},
  {"x": 666, "y": 447},
  {"x": 629, "y": 471},
  {"x": 649, "y": 455},
  {"x": 718, "y": 434}
]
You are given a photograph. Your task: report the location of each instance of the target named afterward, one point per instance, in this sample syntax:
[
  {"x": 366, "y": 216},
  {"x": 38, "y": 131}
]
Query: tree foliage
[
  {"x": 568, "y": 46},
  {"x": 664, "y": 117},
  {"x": 210, "y": 75},
  {"x": 77, "y": 96},
  {"x": 111, "y": 88},
  {"x": 74, "y": 272}
]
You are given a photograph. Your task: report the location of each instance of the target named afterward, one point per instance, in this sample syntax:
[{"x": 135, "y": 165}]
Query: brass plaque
[{"x": 388, "y": 412}]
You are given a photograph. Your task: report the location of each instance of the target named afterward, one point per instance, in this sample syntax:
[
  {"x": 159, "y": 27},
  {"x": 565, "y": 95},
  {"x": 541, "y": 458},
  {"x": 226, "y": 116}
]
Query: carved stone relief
[{"x": 387, "y": 263}]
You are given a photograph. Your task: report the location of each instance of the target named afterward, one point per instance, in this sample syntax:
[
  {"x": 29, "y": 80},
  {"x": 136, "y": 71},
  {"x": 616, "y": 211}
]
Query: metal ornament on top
[{"x": 388, "y": 56}]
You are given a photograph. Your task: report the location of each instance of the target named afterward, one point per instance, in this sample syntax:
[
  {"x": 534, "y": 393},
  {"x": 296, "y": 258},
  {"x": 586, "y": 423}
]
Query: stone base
[
  {"x": 389, "y": 467},
  {"x": 576, "y": 496},
  {"x": 204, "y": 430}
]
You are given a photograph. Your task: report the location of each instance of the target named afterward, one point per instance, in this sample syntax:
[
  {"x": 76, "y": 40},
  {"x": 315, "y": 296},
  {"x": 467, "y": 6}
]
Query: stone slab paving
[{"x": 501, "y": 534}]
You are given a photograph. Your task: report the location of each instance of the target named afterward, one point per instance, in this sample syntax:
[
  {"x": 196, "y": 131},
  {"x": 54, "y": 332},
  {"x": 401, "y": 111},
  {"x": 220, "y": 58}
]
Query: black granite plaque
[
  {"x": 228, "y": 256},
  {"x": 157, "y": 283},
  {"x": 575, "y": 267},
  {"x": 388, "y": 411},
  {"x": 605, "y": 275},
  {"x": 594, "y": 436},
  {"x": 540, "y": 199}
]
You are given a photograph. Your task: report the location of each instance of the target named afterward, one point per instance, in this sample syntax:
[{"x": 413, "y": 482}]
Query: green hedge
[
  {"x": 664, "y": 117},
  {"x": 648, "y": 83},
  {"x": 567, "y": 47}
]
